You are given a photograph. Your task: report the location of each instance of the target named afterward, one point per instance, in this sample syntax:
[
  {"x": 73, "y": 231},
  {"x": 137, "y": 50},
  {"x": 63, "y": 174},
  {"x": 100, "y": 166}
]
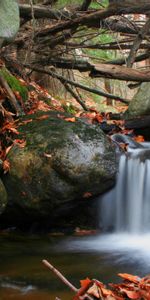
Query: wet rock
[
  {"x": 9, "y": 16},
  {"x": 140, "y": 104},
  {"x": 61, "y": 163}
]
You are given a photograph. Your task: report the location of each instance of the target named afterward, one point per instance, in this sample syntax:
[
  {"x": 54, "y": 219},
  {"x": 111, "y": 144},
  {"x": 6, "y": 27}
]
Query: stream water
[{"x": 125, "y": 211}]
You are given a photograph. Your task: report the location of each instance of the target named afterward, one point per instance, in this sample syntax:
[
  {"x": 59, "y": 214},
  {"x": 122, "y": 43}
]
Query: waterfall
[
  {"x": 127, "y": 207},
  {"x": 125, "y": 215}
]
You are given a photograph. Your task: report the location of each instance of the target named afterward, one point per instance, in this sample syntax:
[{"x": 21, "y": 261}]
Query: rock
[
  {"x": 140, "y": 104},
  {"x": 119, "y": 138},
  {"x": 3, "y": 197},
  {"x": 9, "y": 20},
  {"x": 61, "y": 163}
]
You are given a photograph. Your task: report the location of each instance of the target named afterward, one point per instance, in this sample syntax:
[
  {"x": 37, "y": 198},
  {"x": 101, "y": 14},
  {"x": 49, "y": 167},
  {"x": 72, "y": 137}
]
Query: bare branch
[
  {"x": 76, "y": 84},
  {"x": 141, "y": 35}
]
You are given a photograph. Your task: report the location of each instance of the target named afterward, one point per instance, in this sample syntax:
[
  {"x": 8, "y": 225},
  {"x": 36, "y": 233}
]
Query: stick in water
[{"x": 63, "y": 279}]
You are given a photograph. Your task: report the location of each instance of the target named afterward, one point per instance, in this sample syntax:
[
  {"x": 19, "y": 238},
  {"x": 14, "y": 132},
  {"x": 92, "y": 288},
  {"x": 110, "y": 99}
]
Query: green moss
[
  {"x": 69, "y": 108},
  {"x": 14, "y": 83}
]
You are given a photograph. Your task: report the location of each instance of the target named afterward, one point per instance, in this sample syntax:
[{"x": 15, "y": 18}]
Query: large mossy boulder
[
  {"x": 9, "y": 20},
  {"x": 61, "y": 162},
  {"x": 140, "y": 104}
]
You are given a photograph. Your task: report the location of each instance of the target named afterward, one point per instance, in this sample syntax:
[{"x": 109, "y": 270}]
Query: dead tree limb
[
  {"x": 64, "y": 280},
  {"x": 11, "y": 96},
  {"x": 76, "y": 84},
  {"x": 120, "y": 72},
  {"x": 138, "y": 40},
  {"x": 74, "y": 95},
  {"x": 85, "y": 5},
  {"x": 122, "y": 61}
]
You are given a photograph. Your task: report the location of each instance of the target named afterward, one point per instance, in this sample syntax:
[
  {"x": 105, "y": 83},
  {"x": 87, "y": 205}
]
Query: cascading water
[
  {"x": 129, "y": 204},
  {"x": 125, "y": 214}
]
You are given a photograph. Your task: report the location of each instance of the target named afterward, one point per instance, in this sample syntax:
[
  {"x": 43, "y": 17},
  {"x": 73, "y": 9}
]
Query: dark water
[{"x": 23, "y": 276}]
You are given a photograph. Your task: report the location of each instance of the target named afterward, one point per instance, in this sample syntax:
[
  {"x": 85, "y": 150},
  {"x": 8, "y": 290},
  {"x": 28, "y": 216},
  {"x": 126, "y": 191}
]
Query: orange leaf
[
  {"x": 6, "y": 166},
  {"x": 73, "y": 119},
  {"x": 43, "y": 117},
  {"x": 85, "y": 282},
  {"x": 26, "y": 121},
  {"x": 131, "y": 294},
  {"x": 99, "y": 118},
  {"x": 94, "y": 290},
  {"x": 139, "y": 138},
  {"x": 87, "y": 195},
  {"x": 21, "y": 143},
  {"x": 130, "y": 277},
  {"x": 8, "y": 149}
]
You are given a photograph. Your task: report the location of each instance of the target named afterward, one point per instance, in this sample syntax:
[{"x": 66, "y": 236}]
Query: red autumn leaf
[
  {"x": 131, "y": 294},
  {"x": 8, "y": 149},
  {"x": 85, "y": 282},
  {"x": 47, "y": 155},
  {"x": 145, "y": 294},
  {"x": 83, "y": 289},
  {"x": 21, "y": 143},
  {"x": 139, "y": 138},
  {"x": 80, "y": 232},
  {"x": 42, "y": 117},
  {"x": 94, "y": 290},
  {"x": 6, "y": 166},
  {"x": 87, "y": 195},
  {"x": 26, "y": 121},
  {"x": 43, "y": 106},
  {"x": 130, "y": 277},
  {"x": 73, "y": 119},
  {"x": 99, "y": 118}
]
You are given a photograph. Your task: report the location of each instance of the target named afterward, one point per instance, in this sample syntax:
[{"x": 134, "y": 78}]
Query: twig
[
  {"x": 11, "y": 96},
  {"x": 61, "y": 277},
  {"x": 74, "y": 95},
  {"x": 138, "y": 40},
  {"x": 76, "y": 84},
  {"x": 64, "y": 280}
]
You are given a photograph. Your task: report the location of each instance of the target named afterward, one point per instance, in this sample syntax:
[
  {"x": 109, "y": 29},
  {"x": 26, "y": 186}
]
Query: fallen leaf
[
  {"x": 95, "y": 291},
  {"x": 73, "y": 119},
  {"x": 42, "y": 117},
  {"x": 130, "y": 277},
  {"x": 87, "y": 195},
  {"x": 6, "y": 166},
  {"x": 26, "y": 121},
  {"x": 8, "y": 149},
  {"x": 85, "y": 282},
  {"x": 47, "y": 155},
  {"x": 139, "y": 138},
  {"x": 21, "y": 143},
  {"x": 131, "y": 294}
]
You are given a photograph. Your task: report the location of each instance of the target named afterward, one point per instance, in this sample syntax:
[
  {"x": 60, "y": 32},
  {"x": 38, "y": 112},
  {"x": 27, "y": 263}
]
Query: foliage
[
  {"x": 94, "y": 4},
  {"x": 14, "y": 84},
  {"x": 132, "y": 287}
]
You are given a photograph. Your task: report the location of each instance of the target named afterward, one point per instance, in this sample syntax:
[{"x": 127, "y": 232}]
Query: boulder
[
  {"x": 9, "y": 20},
  {"x": 140, "y": 104},
  {"x": 61, "y": 163}
]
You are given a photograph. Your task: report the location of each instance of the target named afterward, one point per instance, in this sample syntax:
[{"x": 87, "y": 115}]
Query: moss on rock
[{"x": 14, "y": 83}]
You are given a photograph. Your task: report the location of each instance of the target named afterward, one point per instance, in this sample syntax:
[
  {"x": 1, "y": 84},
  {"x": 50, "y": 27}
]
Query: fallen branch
[
  {"x": 11, "y": 96},
  {"x": 138, "y": 40},
  {"x": 64, "y": 280},
  {"x": 76, "y": 84},
  {"x": 74, "y": 95}
]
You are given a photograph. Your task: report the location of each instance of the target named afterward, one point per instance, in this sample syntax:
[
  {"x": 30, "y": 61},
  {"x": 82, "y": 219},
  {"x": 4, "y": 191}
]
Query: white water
[
  {"x": 129, "y": 204},
  {"x": 126, "y": 212}
]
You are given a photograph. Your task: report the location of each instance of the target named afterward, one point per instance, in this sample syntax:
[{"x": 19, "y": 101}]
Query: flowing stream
[
  {"x": 122, "y": 247},
  {"x": 125, "y": 214}
]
